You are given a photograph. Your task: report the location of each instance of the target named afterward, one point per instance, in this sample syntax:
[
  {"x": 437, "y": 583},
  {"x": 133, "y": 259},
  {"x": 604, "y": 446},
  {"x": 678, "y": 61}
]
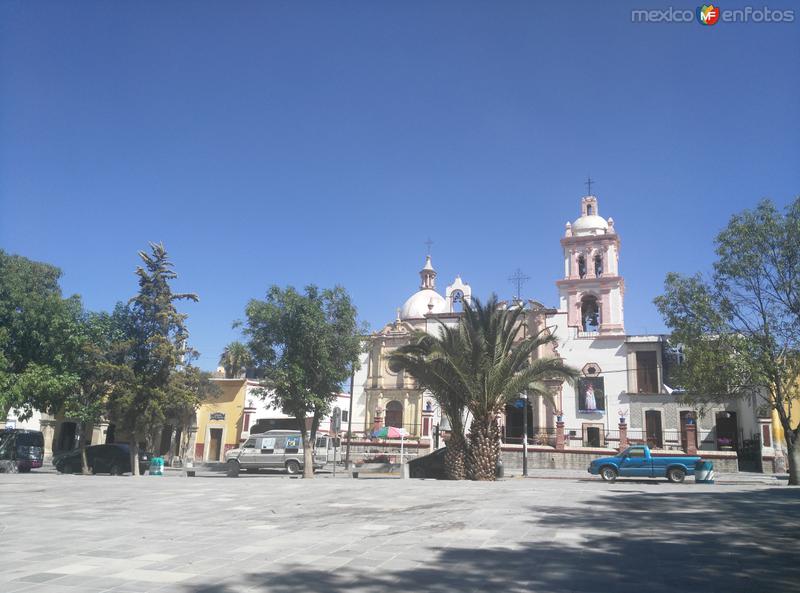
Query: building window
[
  {"x": 598, "y": 265},
  {"x": 589, "y": 210},
  {"x": 345, "y": 416},
  {"x": 457, "y": 301},
  {"x": 590, "y": 314},
  {"x": 394, "y": 414},
  {"x": 581, "y": 266},
  {"x": 647, "y": 372}
]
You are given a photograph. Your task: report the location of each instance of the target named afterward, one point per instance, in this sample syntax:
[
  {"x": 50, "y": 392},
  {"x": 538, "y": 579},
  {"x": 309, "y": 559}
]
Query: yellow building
[
  {"x": 221, "y": 421},
  {"x": 779, "y": 443}
]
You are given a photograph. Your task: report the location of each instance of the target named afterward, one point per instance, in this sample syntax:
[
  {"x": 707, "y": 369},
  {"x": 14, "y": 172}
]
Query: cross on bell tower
[{"x": 588, "y": 183}]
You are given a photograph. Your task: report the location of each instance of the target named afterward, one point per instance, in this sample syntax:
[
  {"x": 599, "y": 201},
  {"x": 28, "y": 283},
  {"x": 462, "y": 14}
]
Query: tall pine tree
[{"x": 153, "y": 351}]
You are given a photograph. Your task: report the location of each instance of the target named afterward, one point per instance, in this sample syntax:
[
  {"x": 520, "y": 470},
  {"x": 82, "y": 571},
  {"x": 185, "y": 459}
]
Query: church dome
[
  {"x": 591, "y": 224},
  {"x": 416, "y": 307}
]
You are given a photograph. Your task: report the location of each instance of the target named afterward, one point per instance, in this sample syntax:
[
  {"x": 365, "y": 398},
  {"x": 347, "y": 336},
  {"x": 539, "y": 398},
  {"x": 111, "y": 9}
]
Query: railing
[
  {"x": 536, "y": 436},
  {"x": 597, "y": 437}
]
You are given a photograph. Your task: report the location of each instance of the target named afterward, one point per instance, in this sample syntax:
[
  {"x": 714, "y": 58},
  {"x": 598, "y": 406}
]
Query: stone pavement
[{"x": 554, "y": 533}]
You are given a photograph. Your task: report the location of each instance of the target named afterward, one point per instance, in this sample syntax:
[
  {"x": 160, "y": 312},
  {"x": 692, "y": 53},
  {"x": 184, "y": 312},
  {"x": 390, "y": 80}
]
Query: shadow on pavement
[{"x": 682, "y": 541}]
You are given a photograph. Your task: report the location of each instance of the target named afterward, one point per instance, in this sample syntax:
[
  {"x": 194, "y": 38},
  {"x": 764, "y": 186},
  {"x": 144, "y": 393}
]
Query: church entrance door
[{"x": 394, "y": 414}]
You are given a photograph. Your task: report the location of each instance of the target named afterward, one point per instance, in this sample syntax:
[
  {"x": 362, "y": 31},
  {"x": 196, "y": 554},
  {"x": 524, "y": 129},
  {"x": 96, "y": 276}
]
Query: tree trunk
[
  {"x": 134, "y": 449},
  {"x": 454, "y": 457},
  {"x": 84, "y": 460},
  {"x": 484, "y": 449},
  {"x": 308, "y": 455},
  {"x": 793, "y": 453}
]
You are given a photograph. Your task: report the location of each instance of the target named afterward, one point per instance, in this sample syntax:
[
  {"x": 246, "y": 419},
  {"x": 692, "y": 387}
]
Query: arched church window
[
  {"x": 457, "y": 301},
  {"x": 590, "y": 314},
  {"x": 394, "y": 414},
  {"x": 581, "y": 266},
  {"x": 598, "y": 265},
  {"x": 589, "y": 210}
]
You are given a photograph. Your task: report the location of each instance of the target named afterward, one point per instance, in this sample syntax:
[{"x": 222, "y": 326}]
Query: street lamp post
[{"x": 525, "y": 435}]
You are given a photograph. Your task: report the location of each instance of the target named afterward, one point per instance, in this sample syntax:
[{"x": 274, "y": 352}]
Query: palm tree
[
  {"x": 235, "y": 358},
  {"x": 498, "y": 365},
  {"x": 428, "y": 359}
]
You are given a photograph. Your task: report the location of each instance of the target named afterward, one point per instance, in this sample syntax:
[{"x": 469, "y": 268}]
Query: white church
[{"x": 623, "y": 377}]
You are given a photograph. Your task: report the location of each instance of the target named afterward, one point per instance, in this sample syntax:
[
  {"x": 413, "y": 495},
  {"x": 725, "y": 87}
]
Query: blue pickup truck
[{"x": 637, "y": 462}]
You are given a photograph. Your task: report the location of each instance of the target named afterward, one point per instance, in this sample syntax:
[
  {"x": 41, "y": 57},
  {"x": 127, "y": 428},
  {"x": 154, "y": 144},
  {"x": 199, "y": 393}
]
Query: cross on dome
[{"x": 588, "y": 183}]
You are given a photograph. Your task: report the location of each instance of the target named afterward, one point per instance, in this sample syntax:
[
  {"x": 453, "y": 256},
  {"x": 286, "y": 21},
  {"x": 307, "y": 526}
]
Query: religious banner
[{"x": 591, "y": 394}]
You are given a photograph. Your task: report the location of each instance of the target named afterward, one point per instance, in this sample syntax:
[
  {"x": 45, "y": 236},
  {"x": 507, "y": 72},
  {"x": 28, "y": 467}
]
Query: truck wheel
[
  {"x": 115, "y": 470},
  {"x": 608, "y": 473},
  {"x": 292, "y": 467},
  {"x": 233, "y": 469},
  {"x": 676, "y": 474}
]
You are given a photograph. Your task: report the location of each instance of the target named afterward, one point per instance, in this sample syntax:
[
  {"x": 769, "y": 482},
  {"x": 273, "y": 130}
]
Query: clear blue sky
[{"x": 323, "y": 142}]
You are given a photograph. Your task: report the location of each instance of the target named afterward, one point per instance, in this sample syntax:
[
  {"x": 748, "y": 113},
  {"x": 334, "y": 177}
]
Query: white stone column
[{"x": 48, "y": 428}]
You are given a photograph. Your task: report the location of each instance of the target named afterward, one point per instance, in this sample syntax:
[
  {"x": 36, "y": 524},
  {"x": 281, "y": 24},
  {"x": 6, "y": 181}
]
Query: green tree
[
  {"x": 429, "y": 360},
  {"x": 86, "y": 403},
  {"x": 235, "y": 359},
  {"x": 482, "y": 364},
  {"x": 154, "y": 347},
  {"x": 740, "y": 327},
  {"x": 306, "y": 346},
  {"x": 39, "y": 336}
]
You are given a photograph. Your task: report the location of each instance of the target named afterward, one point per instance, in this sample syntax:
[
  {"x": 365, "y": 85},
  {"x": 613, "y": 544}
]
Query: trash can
[
  {"x": 157, "y": 466},
  {"x": 704, "y": 472}
]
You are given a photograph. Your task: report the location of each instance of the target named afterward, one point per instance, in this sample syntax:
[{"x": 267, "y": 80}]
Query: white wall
[
  {"x": 32, "y": 423},
  {"x": 609, "y": 355}
]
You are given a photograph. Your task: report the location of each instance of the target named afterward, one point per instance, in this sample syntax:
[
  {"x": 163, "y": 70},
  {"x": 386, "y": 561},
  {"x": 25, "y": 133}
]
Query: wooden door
[
  {"x": 215, "y": 444},
  {"x": 652, "y": 424}
]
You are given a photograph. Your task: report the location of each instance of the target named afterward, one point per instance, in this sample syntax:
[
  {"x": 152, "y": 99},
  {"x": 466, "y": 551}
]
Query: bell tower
[
  {"x": 592, "y": 290},
  {"x": 427, "y": 275}
]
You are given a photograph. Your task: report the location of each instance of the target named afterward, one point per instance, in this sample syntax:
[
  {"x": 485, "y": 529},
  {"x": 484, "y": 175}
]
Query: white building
[{"x": 622, "y": 376}]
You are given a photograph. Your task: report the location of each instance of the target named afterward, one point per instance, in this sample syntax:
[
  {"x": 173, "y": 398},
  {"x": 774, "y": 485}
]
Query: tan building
[{"x": 394, "y": 398}]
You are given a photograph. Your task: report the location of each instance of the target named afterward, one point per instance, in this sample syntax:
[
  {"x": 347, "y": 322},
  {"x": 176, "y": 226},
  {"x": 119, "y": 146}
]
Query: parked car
[
  {"x": 428, "y": 466},
  {"x": 276, "y": 449},
  {"x": 21, "y": 449},
  {"x": 637, "y": 462},
  {"x": 114, "y": 459}
]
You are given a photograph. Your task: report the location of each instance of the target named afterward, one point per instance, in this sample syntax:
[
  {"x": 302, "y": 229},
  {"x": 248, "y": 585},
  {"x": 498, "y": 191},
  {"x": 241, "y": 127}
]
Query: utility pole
[
  {"x": 349, "y": 421},
  {"x": 525, "y": 435}
]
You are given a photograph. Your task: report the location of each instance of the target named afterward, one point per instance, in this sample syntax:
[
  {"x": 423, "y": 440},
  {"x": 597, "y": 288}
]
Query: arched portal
[
  {"x": 394, "y": 414},
  {"x": 590, "y": 313}
]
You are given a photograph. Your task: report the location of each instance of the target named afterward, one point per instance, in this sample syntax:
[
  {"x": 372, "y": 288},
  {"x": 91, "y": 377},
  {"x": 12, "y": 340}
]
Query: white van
[{"x": 277, "y": 449}]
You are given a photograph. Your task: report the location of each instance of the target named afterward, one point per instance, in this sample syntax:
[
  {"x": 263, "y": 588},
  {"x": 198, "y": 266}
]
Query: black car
[
  {"x": 428, "y": 466},
  {"x": 114, "y": 459},
  {"x": 21, "y": 449}
]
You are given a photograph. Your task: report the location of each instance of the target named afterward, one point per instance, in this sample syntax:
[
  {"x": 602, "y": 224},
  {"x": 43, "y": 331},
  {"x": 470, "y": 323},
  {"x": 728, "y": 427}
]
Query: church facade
[{"x": 623, "y": 378}]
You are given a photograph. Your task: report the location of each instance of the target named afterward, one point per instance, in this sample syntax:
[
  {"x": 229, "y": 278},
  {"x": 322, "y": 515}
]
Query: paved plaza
[{"x": 557, "y": 532}]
